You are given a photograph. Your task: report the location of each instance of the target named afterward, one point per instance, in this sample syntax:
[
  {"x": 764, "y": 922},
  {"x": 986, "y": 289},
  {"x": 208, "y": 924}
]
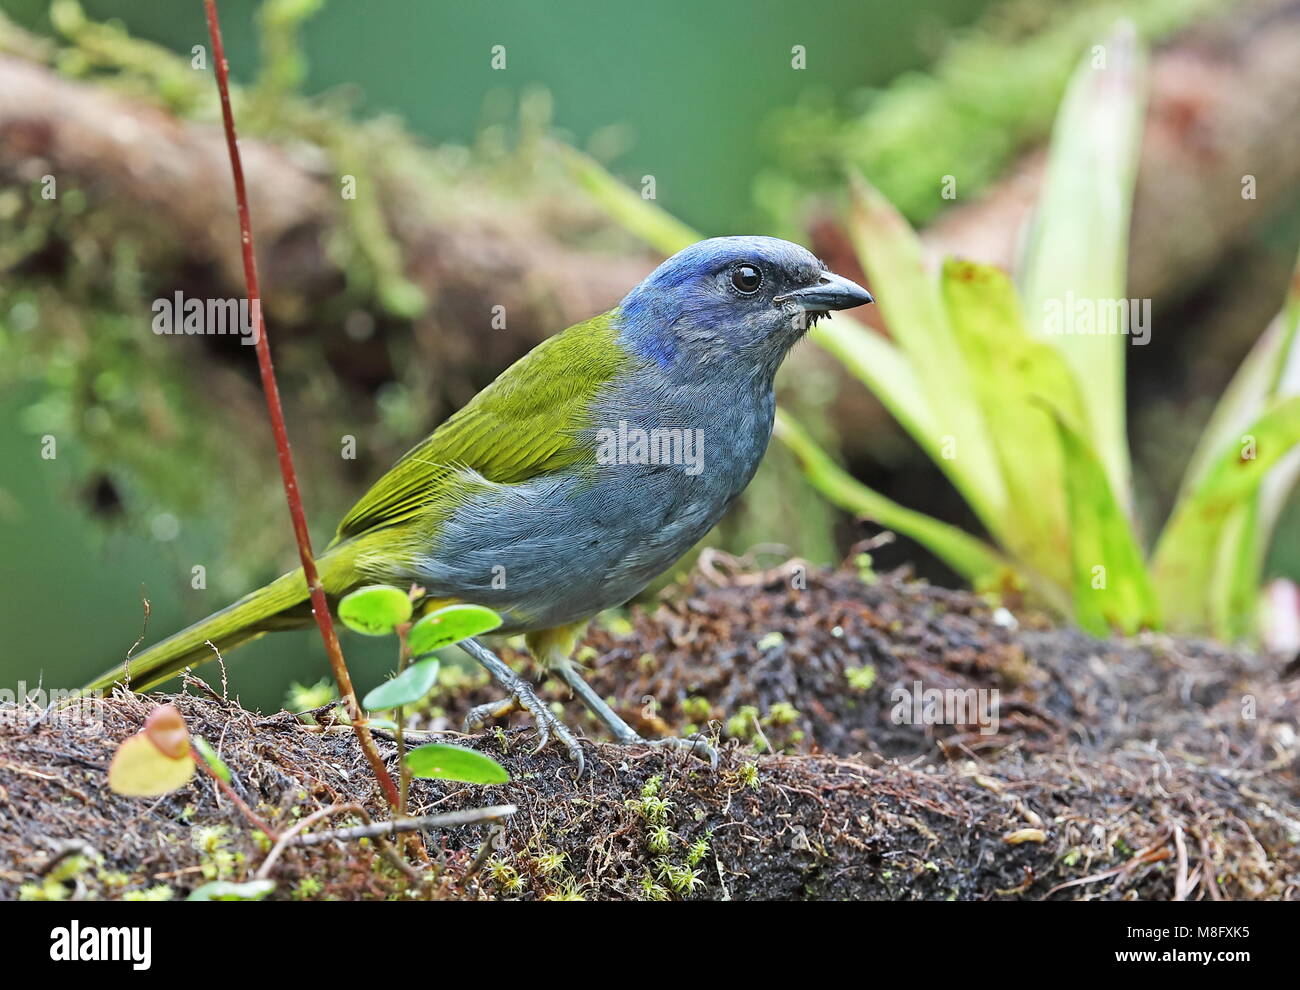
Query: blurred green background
[
  {"x": 687, "y": 85},
  {"x": 699, "y": 94},
  {"x": 684, "y": 86}
]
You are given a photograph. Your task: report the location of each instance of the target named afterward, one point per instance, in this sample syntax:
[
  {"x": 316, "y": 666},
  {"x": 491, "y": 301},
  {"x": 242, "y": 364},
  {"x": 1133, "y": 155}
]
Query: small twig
[
  {"x": 379, "y": 831},
  {"x": 65, "y": 848},
  {"x": 144, "y": 630},
  {"x": 292, "y": 831},
  {"x": 495, "y": 834},
  {"x": 403, "y": 772},
  {"x": 758, "y": 730},
  {"x": 473, "y": 816},
  {"x": 1181, "y": 883},
  {"x": 320, "y": 606}
]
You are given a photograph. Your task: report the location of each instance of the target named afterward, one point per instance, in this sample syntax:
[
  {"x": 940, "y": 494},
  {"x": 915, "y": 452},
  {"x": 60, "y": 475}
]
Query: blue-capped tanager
[{"x": 583, "y": 472}]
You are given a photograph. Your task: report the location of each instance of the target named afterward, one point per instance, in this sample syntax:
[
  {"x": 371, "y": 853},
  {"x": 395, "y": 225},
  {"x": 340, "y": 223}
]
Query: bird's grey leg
[
  {"x": 621, "y": 731},
  {"x": 519, "y": 697}
]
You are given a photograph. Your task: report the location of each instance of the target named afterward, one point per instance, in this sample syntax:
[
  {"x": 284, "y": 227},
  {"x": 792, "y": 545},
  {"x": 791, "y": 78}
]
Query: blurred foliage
[
  {"x": 178, "y": 459},
  {"x": 1027, "y": 419},
  {"x": 990, "y": 94},
  {"x": 85, "y": 279}
]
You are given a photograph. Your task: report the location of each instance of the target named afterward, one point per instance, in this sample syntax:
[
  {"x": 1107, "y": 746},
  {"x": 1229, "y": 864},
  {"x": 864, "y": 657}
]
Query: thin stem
[
  {"x": 230, "y": 792},
  {"x": 403, "y": 772},
  {"x": 320, "y": 606},
  {"x": 471, "y": 816}
]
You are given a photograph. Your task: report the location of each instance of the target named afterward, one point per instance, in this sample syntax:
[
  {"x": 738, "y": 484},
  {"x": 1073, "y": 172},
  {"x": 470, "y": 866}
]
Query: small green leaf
[
  {"x": 408, "y": 687},
  {"x": 225, "y": 890},
  {"x": 376, "y": 610},
  {"x": 440, "y": 761},
  {"x": 211, "y": 758},
  {"x": 450, "y": 625}
]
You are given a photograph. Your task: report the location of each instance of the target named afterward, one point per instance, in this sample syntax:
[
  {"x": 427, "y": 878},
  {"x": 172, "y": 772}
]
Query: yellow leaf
[{"x": 141, "y": 769}]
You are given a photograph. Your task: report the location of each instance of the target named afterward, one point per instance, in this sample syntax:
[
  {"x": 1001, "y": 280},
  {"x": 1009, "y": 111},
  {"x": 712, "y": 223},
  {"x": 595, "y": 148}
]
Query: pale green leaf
[
  {"x": 226, "y": 890},
  {"x": 878, "y": 363},
  {"x": 1271, "y": 370},
  {"x": 912, "y": 305},
  {"x": 968, "y": 556},
  {"x": 1111, "y": 588},
  {"x": 1014, "y": 374},
  {"x": 1077, "y": 251},
  {"x": 440, "y": 761},
  {"x": 140, "y": 769},
  {"x": 407, "y": 688},
  {"x": 639, "y": 216},
  {"x": 450, "y": 625},
  {"x": 376, "y": 610},
  {"x": 1191, "y": 549}
]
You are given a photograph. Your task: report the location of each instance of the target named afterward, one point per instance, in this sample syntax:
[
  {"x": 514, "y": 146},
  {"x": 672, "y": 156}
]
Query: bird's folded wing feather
[{"x": 525, "y": 424}]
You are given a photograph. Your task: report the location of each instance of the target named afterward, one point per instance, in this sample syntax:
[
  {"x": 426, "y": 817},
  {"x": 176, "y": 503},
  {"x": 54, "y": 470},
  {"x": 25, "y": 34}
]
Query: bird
[{"x": 584, "y": 471}]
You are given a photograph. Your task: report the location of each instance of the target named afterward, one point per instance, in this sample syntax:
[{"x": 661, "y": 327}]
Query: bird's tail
[{"x": 282, "y": 604}]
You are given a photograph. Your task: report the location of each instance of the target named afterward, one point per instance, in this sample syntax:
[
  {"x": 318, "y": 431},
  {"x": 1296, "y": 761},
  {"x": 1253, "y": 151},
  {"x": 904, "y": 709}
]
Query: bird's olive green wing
[{"x": 523, "y": 425}]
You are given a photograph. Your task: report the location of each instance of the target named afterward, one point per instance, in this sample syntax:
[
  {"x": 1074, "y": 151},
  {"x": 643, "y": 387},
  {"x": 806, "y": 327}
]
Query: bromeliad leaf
[
  {"x": 885, "y": 370},
  {"x": 440, "y": 761},
  {"x": 376, "y": 610},
  {"x": 1077, "y": 248},
  {"x": 1014, "y": 374},
  {"x": 407, "y": 688},
  {"x": 450, "y": 625},
  {"x": 1192, "y": 547},
  {"x": 635, "y": 213},
  {"x": 969, "y": 556},
  {"x": 893, "y": 256},
  {"x": 1112, "y": 589}
]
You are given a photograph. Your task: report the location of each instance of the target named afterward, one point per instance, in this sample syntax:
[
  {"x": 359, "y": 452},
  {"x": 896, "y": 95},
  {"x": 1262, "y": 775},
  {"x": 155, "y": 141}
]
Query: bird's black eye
[{"x": 747, "y": 279}]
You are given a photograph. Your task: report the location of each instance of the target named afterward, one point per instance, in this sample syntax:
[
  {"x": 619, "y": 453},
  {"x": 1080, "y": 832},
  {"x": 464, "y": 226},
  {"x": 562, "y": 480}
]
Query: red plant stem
[{"x": 320, "y": 607}]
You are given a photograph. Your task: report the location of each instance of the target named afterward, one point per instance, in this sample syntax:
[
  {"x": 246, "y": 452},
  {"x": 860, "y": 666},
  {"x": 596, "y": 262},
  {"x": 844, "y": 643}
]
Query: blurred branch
[{"x": 134, "y": 158}]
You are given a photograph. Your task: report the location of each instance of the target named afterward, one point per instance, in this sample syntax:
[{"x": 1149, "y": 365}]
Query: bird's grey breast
[
  {"x": 669, "y": 459},
  {"x": 672, "y": 458}
]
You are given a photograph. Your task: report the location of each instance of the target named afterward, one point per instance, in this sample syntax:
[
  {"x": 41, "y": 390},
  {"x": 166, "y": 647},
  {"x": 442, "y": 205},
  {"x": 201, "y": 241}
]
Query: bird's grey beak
[{"x": 831, "y": 292}]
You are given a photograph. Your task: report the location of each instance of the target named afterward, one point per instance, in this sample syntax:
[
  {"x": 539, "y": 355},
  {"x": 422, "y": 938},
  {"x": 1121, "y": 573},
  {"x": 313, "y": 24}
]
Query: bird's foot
[
  {"x": 696, "y": 745},
  {"x": 524, "y": 698},
  {"x": 623, "y": 733}
]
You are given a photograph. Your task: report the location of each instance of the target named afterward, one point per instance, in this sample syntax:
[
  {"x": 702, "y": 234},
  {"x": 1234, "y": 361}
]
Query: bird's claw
[
  {"x": 696, "y": 745},
  {"x": 524, "y": 698}
]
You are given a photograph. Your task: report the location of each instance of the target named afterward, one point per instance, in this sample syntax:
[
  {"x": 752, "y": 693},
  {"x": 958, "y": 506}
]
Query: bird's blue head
[{"x": 734, "y": 305}]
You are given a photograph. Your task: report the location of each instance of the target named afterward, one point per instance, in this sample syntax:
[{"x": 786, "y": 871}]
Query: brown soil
[{"x": 1143, "y": 768}]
